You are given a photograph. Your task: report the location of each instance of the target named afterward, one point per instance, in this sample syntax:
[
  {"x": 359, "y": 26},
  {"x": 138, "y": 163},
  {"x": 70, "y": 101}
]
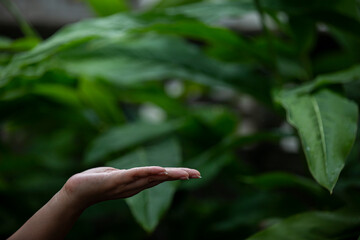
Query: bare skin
[{"x": 56, "y": 217}]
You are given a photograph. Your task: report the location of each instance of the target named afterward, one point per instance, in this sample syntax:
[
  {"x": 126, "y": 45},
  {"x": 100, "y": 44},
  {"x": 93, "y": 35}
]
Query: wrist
[{"x": 70, "y": 203}]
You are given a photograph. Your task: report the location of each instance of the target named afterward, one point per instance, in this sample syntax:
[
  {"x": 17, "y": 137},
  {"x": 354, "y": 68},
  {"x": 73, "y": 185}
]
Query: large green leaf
[
  {"x": 341, "y": 224},
  {"x": 111, "y": 27},
  {"x": 105, "y": 48},
  {"x": 327, "y": 125},
  {"x": 114, "y": 49},
  {"x": 157, "y": 57},
  {"x": 149, "y": 205},
  {"x": 119, "y": 138}
]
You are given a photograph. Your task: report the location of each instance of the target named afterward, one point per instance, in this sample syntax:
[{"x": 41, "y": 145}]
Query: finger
[
  {"x": 134, "y": 174},
  {"x": 171, "y": 175},
  {"x": 152, "y": 180},
  {"x": 100, "y": 170},
  {"x": 192, "y": 173},
  {"x": 177, "y": 174}
]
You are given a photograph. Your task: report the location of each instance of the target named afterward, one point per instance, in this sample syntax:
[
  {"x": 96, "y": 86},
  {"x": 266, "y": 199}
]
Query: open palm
[{"x": 106, "y": 183}]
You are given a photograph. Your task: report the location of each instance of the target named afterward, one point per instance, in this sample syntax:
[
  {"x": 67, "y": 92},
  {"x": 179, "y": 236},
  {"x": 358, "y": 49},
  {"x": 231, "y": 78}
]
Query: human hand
[
  {"x": 56, "y": 217},
  {"x": 106, "y": 183}
]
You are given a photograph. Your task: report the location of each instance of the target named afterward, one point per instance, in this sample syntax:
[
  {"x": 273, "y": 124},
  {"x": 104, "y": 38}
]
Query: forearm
[{"x": 53, "y": 221}]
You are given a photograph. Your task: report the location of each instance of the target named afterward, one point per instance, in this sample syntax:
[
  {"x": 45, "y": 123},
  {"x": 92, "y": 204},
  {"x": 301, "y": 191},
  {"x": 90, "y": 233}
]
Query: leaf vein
[{"x": 322, "y": 132}]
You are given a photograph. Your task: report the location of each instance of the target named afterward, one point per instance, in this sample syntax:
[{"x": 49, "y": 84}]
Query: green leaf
[
  {"x": 342, "y": 77},
  {"x": 111, "y": 27},
  {"x": 276, "y": 180},
  {"x": 220, "y": 120},
  {"x": 299, "y": 6},
  {"x": 209, "y": 166},
  {"x": 330, "y": 12},
  {"x": 340, "y": 21},
  {"x": 150, "y": 205},
  {"x": 290, "y": 68},
  {"x": 327, "y": 125},
  {"x": 213, "y": 12},
  {"x": 108, "y": 7},
  {"x": 198, "y": 30},
  {"x": 111, "y": 49},
  {"x": 100, "y": 99},
  {"x": 214, "y": 37},
  {"x": 350, "y": 45},
  {"x": 5, "y": 42},
  {"x": 303, "y": 32},
  {"x": 158, "y": 58},
  {"x": 341, "y": 224},
  {"x": 119, "y": 138},
  {"x": 18, "y": 45},
  {"x": 60, "y": 93},
  {"x": 172, "y": 3},
  {"x": 333, "y": 61}
]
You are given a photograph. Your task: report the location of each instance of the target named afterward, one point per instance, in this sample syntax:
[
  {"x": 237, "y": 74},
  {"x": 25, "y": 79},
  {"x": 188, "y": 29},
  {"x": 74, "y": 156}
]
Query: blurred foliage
[{"x": 165, "y": 84}]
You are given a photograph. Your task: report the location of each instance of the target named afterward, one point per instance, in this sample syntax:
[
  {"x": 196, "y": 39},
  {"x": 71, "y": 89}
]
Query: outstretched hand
[
  {"x": 55, "y": 218},
  {"x": 106, "y": 183}
]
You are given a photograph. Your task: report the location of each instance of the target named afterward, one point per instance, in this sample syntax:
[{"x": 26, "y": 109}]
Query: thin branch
[
  {"x": 269, "y": 39},
  {"x": 26, "y": 28}
]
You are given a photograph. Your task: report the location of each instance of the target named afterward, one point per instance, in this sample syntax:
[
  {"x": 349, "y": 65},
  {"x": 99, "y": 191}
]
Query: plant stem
[
  {"x": 269, "y": 39},
  {"x": 25, "y": 27}
]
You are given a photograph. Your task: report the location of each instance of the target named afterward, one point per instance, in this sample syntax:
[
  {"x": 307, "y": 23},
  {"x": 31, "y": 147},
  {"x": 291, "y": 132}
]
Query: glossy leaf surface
[{"x": 327, "y": 125}]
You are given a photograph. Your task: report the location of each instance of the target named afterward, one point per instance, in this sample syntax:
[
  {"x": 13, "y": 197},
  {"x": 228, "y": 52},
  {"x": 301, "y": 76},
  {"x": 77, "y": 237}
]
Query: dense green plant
[{"x": 85, "y": 97}]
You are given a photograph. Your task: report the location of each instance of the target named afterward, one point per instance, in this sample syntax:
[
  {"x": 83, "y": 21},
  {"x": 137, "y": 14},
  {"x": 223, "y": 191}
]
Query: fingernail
[
  {"x": 196, "y": 176},
  {"x": 184, "y": 178},
  {"x": 163, "y": 173}
]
